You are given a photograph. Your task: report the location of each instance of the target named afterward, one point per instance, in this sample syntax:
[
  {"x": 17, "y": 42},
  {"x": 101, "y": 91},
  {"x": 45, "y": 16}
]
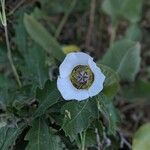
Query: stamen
[{"x": 82, "y": 77}]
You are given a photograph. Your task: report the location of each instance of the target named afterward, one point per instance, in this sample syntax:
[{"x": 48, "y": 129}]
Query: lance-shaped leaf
[
  {"x": 124, "y": 57},
  {"x": 132, "y": 10},
  {"x": 78, "y": 116},
  {"x": 133, "y": 32},
  {"x": 118, "y": 9},
  {"x": 40, "y": 35},
  {"x": 21, "y": 36}
]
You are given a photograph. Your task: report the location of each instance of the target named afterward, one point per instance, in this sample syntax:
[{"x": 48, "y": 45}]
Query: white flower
[{"x": 80, "y": 78}]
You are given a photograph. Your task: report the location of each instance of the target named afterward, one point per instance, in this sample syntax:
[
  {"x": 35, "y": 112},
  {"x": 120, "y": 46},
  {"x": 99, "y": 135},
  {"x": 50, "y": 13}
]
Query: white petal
[
  {"x": 83, "y": 58},
  {"x": 72, "y": 60},
  {"x": 99, "y": 78},
  {"x": 67, "y": 65},
  {"x": 69, "y": 92}
]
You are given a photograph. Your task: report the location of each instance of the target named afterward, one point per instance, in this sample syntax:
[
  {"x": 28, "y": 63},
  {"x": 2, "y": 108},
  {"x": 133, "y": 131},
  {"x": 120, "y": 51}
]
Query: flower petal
[
  {"x": 83, "y": 58},
  {"x": 69, "y": 92},
  {"x": 67, "y": 65},
  {"x": 99, "y": 78},
  {"x": 72, "y": 60}
]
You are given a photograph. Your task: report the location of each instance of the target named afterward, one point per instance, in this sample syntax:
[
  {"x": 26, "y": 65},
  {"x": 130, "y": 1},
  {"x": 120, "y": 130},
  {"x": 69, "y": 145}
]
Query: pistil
[{"x": 82, "y": 77}]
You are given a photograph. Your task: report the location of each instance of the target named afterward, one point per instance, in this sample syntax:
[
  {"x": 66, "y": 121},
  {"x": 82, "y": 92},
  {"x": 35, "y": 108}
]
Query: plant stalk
[
  {"x": 64, "y": 19},
  {"x": 4, "y": 23},
  {"x": 113, "y": 34},
  {"x": 10, "y": 57},
  {"x": 82, "y": 136}
]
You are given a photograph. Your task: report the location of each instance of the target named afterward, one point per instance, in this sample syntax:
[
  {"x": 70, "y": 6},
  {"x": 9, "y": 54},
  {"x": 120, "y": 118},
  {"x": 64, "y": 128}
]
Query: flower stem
[
  {"x": 113, "y": 34},
  {"x": 4, "y": 22},
  {"x": 10, "y": 57},
  {"x": 82, "y": 136},
  {"x": 64, "y": 19}
]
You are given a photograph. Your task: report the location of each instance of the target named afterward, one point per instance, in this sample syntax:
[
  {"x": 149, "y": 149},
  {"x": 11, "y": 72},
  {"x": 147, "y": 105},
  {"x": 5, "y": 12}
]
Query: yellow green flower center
[{"x": 82, "y": 77}]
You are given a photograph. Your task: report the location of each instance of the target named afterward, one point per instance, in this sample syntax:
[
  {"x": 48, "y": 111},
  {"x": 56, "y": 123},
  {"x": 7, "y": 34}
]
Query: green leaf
[
  {"x": 46, "y": 98},
  {"x": 133, "y": 33},
  {"x": 113, "y": 9},
  {"x": 55, "y": 141},
  {"x": 9, "y": 135},
  {"x": 141, "y": 140},
  {"x": 40, "y": 137},
  {"x": 114, "y": 118},
  {"x": 118, "y": 9},
  {"x": 111, "y": 84},
  {"x": 132, "y": 10},
  {"x": 37, "y": 13},
  {"x": 36, "y": 66},
  {"x": 23, "y": 97},
  {"x": 90, "y": 138},
  {"x": 21, "y": 36},
  {"x": 78, "y": 116},
  {"x": 18, "y": 101},
  {"x": 34, "y": 62},
  {"x": 40, "y": 35},
  {"x": 124, "y": 57},
  {"x": 109, "y": 112}
]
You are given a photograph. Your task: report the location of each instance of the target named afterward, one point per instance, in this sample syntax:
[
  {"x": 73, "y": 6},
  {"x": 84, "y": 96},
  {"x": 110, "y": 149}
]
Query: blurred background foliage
[{"x": 41, "y": 32}]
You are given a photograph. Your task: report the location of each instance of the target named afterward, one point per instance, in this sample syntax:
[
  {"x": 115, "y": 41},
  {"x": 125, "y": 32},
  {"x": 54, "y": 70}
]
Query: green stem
[
  {"x": 4, "y": 22},
  {"x": 3, "y": 13},
  {"x": 82, "y": 136},
  {"x": 113, "y": 34},
  {"x": 64, "y": 19},
  {"x": 10, "y": 57},
  {"x": 1, "y": 18}
]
